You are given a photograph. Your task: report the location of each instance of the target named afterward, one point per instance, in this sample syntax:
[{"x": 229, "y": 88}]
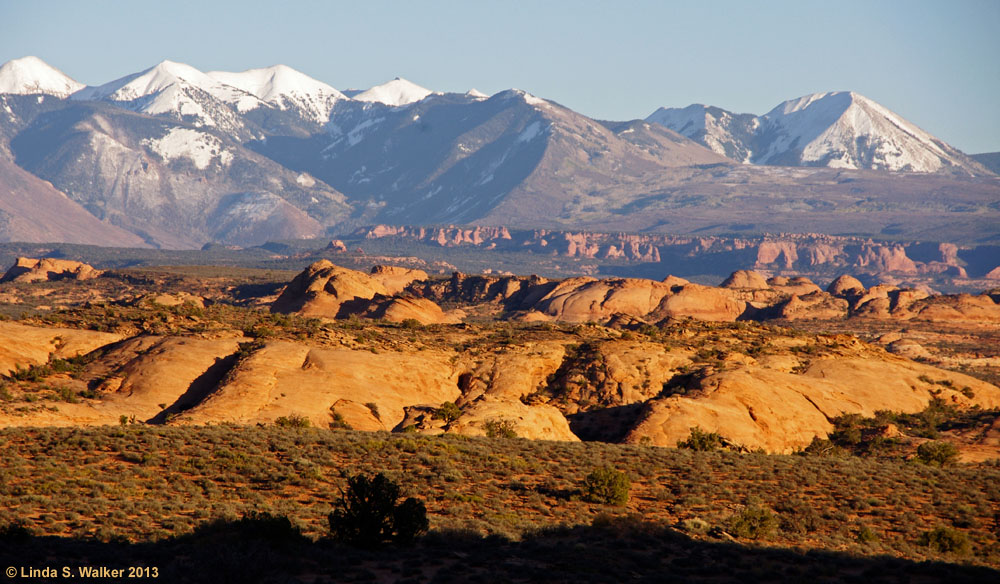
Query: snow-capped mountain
[
  {"x": 284, "y": 88},
  {"x": 838, "y": 129},
  {"x": 31, "y": 75},
  {"x": 846, "y": 130},
  {"x": 178, "y": 157},
  {"x": 173, "y": 183},
  {"x": 179, "y": 91},
  {"x": 461, "y": 158},
  {"x": 397, "y": 92},
  {"x": 724, "y": 132}
]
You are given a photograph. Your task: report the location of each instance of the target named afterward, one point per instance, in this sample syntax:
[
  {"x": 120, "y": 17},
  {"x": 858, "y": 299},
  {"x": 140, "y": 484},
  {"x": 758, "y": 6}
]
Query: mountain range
[{"x": 175, "y": 157}]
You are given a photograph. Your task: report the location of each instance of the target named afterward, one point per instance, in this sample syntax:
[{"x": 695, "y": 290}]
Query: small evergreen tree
[
  {"x": 369, "y": 513},
  {"x": 701, "y": 440},
  {"x": 937, "y": 453},
  {"x": 606, "y": 485}
]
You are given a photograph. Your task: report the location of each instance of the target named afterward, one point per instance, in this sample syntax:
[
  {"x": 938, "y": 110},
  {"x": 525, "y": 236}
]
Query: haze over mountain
[
  {"x": 839, "y": 129},
  {"x": 180, "y": 158}
]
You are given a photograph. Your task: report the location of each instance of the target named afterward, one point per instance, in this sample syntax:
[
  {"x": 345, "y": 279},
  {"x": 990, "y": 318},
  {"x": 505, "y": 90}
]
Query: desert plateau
[
  {"x": 500, "y": 293},
  {"x": 856, "y": 422}
]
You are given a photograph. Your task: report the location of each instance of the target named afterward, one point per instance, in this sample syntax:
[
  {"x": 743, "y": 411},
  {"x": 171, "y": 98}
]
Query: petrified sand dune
[
  {"x": 327, "y": 290},
  {"x": 164, "y": 375},
  {"x": 745, "y": 279},
  {"x": 283, "y": 378},
  {"x": 781, "y": 411},
  {"x": 845, "y": 285},
  {"x": 589, "y": 300},
  {"x": 23, "y": 346},
  {"x": 48, "y": 269},
  {"x": 397, "y": 294},
  {"x": 395, "y": 279},
  {"x": 538, "y": 422},
  {"x": 778, "y": 402},
  {"x": 401, "y": 308},
  {"x": 323, "y": 287}
]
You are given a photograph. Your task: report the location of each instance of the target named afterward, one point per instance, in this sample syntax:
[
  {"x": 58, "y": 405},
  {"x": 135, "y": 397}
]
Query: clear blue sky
[{"x": 935, "y": 63}]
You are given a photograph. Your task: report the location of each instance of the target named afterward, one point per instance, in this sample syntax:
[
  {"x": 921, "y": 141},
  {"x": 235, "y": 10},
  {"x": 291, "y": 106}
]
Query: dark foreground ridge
[{"x": 612, "y": 549}]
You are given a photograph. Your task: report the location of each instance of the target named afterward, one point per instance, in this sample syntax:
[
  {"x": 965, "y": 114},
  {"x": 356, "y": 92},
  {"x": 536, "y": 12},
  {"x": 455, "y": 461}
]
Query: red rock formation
[{"x": 47, "y": 269}]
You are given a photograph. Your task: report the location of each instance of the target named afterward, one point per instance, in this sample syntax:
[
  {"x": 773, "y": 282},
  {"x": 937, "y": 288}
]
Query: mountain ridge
[
  {"x": 837, "y": 129},
  {"x": 183, "y": 158}
]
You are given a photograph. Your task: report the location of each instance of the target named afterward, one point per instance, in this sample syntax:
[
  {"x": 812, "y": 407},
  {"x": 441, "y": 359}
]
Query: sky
[{"x": 937, "y": 63}]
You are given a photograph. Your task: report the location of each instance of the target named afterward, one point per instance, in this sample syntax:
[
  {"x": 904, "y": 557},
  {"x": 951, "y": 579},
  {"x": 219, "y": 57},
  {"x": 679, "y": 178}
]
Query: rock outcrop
[
  {"x": 777, "y": 396},
  {"x": 760, "y": 407},
  {"x": 23, "y": 346},
  {"x": 327, "y": 290},
  {"x": 47, "y": 270},
  {"x": 816, "y": 255},
  {"x": 321, "y": 289}
]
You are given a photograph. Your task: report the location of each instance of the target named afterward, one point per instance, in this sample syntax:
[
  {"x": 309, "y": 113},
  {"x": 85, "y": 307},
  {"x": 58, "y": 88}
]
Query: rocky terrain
[
  {"x": 811, "y": 255},
  {"x": 617, "y": 360}
]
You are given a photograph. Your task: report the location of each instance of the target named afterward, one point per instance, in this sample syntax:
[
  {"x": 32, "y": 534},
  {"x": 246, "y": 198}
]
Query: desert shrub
[
  {"x": 937, "y": 453},
  {"x": 338, "y": 422},
  {"x": 369, "y": 513},
  {"x": 276, "y": 529},
  {"x": 695, "y": 525},
  {"x": 753, "y": 522},
  {"x": 866, "y": 535},
  {"x": 500, "y": 428},
  {"x": 373, "y": 408},
  {"x": 607, "y": 486},
  {"x": 947, "y": 540},
  {"x": 16, "y": 531},
  {"x": 411, "y": 323},
  {"x": 701, "y": 440},
  {"x": 449, "y": 412},
  {"x": 293, "y": 421}
]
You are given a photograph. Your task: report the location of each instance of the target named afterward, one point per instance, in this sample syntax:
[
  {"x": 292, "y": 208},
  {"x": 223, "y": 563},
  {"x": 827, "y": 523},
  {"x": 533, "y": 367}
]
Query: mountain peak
[
  {"x": 31, "y": 75},
  {"x": 283, "y": 87},
  {"x": 397, "y": 92},
  {"x": 149, "y": 81},
  {"x": 838, "y": 129}
]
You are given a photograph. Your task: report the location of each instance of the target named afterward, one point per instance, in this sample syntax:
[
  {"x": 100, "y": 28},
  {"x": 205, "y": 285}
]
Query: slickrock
[
  {"x": 537, "y": 421},
  {"x": 422, "y": 310},
  {"x": 781, "y": 411},
  {"x": 703, "y": 303},
  {"x": 164, "y": 376},
  {"x": 48, "y": 269},
  {"x": 323, "y": 287},
  {"x": 747, "y": 279},
  {"x": 960, "y": 307},
  {"x": 586, "y": 299},
  {"x": 395, "y": 279},
  {"x": 815, "y": 305},
  {"x": 175, "y": 299},
  {"x": 799, "y": 286},
  {"x": 846, "y": 285},
  {"x": 284, "y": 378},
  {"x": 24, "y": 346}
]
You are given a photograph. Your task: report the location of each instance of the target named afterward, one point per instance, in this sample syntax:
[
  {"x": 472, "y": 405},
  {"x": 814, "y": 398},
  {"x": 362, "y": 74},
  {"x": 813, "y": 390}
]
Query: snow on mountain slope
[
  {"x": 836, "y": 129},
  {"x": 31, "y": 75},
  {"x": 284, "y": 88},
  {"x": 847, "y": 130},
  {"x": 198, "y": 147},
  {"x": 397, "y": 92},
  {"x": 176, "y": 90},
  {"x": 721, "y": 131}
]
